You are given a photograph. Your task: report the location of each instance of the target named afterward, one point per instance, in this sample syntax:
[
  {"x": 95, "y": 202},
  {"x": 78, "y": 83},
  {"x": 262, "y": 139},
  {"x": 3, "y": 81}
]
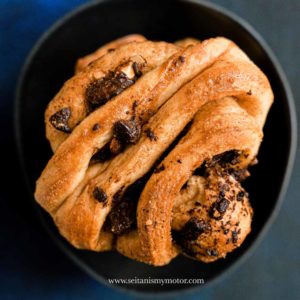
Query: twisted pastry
[{"x": 227, "y": 98}]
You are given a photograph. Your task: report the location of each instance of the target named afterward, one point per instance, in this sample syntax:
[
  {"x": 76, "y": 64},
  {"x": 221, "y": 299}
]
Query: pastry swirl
[{"x": 157, "y": 112}]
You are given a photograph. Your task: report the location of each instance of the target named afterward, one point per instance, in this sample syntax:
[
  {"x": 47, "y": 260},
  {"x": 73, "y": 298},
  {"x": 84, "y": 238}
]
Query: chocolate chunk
[
  {"x": 99, "y": 91},
  {"x": 249, "y": 93},
  {"x": 59, "y": 120},
  {"x": 122, "y": 216},
  {"x": 218, "y": 208},
  {"x": 222, "y": 205},
  {"x": 212, "y": 252},
  {"x": 193, "y": 228},
  {"x": 100, "y": 195},
  {"x": 150, "y": 134},
  {"x": 96, "y": 127},
  {"x": 179, "y": 161},
  {"x": 127, "y": 132},
  {"x": 159, "y": 169},
  {"x": 186, "y": 246},
  {"x": 136, "y": 69},
  {"x": 181, "y": 58},
  {"x": 179, "y": 61}
]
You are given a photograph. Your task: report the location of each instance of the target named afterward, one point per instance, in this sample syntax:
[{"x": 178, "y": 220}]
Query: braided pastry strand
[{"x": 83, "y": 62}]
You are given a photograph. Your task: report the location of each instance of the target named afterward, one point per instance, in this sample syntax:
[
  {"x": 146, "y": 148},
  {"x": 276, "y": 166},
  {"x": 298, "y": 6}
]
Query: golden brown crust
[
  {"x": 111, "y": 46},
  {"x": 73, "y": 218}
]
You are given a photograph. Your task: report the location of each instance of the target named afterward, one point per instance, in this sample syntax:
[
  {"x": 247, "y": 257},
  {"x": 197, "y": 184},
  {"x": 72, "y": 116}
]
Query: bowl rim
[{"x": 288, "y": 168}]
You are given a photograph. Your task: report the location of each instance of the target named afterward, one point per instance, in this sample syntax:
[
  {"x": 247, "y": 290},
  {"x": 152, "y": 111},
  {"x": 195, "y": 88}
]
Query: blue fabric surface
[{"x": 31, "y": 267}]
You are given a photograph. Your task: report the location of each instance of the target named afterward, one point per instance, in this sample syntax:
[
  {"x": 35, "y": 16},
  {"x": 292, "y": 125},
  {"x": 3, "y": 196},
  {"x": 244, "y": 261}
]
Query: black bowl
[{"x": 51, "y": 62}]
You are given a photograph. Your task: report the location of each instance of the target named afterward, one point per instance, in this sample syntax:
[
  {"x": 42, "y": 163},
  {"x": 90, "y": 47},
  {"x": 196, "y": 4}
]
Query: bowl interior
[{"x": 52, "y": 62}]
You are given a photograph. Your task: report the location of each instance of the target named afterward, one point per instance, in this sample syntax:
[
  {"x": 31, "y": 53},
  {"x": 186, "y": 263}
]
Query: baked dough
[{"x": 83, "y": 62}]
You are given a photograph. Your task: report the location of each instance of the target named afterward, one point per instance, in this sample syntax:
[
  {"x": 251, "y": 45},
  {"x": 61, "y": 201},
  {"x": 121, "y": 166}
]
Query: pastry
[
  {"x": 109, "y": 47},
  {"x": 151, "y": 143}
]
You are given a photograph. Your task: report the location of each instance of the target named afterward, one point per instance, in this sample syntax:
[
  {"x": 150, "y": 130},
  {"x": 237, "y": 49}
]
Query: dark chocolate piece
[
  {"x": 96, "y": 127},
  {"x": 218, "y": 208},
  {"x": 60, "y": 119},
  {"x": 127, "y": 131},
  {"x": 100, "y": 195},
  {"x": 181, "y": 58},
  {"x": 99, "y": 91},
  {"x": 137, "y": 71},
  {"x": 122, "y": 216},
  {"x": 193, "y": 228}
]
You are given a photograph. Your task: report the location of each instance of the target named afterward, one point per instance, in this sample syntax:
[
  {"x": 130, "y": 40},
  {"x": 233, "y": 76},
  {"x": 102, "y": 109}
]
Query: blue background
[{"x": 31, "y": 267}]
